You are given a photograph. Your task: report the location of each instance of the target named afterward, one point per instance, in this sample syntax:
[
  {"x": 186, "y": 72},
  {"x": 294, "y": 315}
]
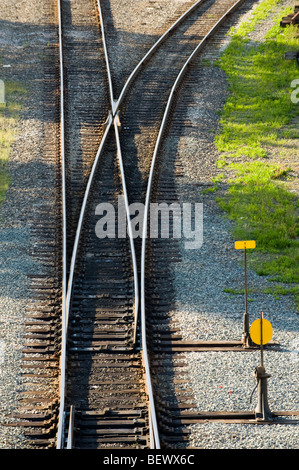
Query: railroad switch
[
  {"x": 262, "y": 410},
  {"x": 107, "y": 122},
  {"x": 261, "y": 333},
  {"x": 245, "y": 245}
]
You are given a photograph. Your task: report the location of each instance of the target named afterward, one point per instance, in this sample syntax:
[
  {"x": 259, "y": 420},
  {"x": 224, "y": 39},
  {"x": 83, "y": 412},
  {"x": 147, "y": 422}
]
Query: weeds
[
  {"x": 254, "y": 118},
  {"x": 8, "y": 117}
]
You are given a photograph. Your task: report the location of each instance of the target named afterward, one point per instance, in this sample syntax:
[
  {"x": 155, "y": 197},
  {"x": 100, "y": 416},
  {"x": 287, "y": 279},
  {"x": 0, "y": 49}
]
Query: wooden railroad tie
[{"x": 292, "y": 18}]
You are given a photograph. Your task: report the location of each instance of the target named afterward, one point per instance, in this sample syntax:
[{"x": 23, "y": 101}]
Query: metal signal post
[
  {"x": 243, "y": 245},
  {"x": 261, "y": 333}
]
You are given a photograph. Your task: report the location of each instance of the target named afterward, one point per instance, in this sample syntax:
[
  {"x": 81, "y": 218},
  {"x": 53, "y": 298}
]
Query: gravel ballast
[
  {"x": 24, "y": 39},
  {"x": 205, "y": 312}
]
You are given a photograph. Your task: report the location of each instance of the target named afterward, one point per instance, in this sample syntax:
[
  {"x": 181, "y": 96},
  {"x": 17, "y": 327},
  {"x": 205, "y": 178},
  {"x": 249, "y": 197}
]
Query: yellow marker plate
[
  {"x": 255, "y": 331},
  {"x": 245, "y": 244}
]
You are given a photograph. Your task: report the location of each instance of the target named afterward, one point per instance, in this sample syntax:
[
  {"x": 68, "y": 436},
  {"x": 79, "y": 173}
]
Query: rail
[
  {"x": 147, "y": 202},
  {"x": 70, "y": 434},
  {"x": 68, "y": 286},
  {"x": 64, "y": 231}
]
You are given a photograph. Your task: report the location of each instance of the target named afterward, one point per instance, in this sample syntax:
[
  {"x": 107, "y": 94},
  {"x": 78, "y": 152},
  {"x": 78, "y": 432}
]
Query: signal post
[
  {"x": 261, "y": 333},
  {"x": 244, "y": 245}
]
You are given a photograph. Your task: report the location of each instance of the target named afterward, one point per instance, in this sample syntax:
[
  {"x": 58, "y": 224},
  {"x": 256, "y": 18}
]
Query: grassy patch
[
  {"x": 238, "y": 292},
  {"x": 9, "y": 113},
  {"x": 277, "y": 291},
  {"x": 260, "y": 83},
  {"x": 214, "y": 181},
  {"x": 255, "y": 117},
  {"x": 261, "y": 208}
]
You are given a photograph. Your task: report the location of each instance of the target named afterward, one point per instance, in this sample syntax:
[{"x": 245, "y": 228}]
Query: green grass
[
  {"x": 262, "y": 209},
  {"x": 255, "y": 117},
  {"x": 277, "y": 291},
  {"x": 260, "y": 84},
  {"x": 9, "y": 113},
  {"x": 215, "y": 187},
  {"x": 259, "y": 14}
]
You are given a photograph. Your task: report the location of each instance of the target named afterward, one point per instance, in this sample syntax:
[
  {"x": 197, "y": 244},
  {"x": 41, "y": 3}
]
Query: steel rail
[
  {"x": 132, "y": 246},
  {"x": 109, "y": 76},
  {"x": 70, "y": 436},
  {"x": 151, "y": 51},
  {"x": 111, "y": 120},
  {"x": 154, "y": 435},
  {"x": 64, "y": 227},
  {"x": 67, "y": 292},
  {"x": 123, "y": 179},
  {"x": 68, "y": 286},
  {"x": 148, "y": 194}
]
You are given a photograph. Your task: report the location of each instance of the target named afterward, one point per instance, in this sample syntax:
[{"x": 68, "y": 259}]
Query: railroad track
[
  {"x": 86, "y": 100},
  {"x": 115, "y": 301}
]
